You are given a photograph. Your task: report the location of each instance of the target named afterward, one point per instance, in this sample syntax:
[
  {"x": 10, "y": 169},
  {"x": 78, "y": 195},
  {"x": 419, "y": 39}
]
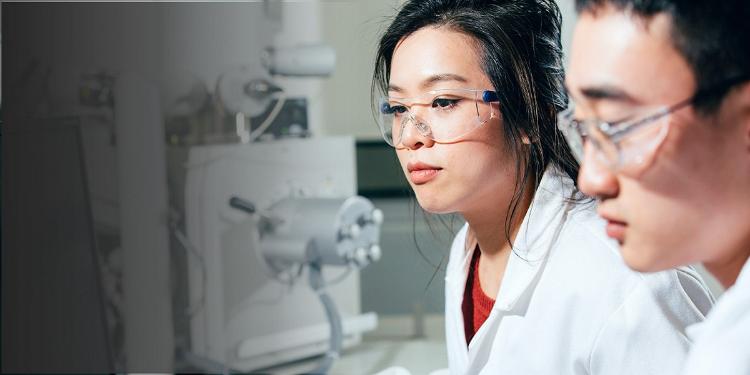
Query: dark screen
[{"x": 52, "y": 308}]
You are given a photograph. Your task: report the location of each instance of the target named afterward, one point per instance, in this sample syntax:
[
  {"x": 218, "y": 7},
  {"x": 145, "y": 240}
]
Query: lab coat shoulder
[
  {"x": 584, "y": 310},
  {"x": 721, "y": 341},
  {"x": 725, "y": 353},
  {"x": 639, "y": 320}
]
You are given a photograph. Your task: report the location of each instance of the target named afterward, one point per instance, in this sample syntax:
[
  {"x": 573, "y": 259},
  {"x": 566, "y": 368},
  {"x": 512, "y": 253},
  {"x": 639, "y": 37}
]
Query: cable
[
  {"x": 270, "y": 268},
  {"x": 291, "y": 277},
  {"x": 202, "y": 230},
  {"x": 255, "y": 134},
  {"x": 269, "y": 119},
  {"x": 340, "y": 277},
  {"x": 204, "y": 363},
  {"x": 192, "y": 250}
]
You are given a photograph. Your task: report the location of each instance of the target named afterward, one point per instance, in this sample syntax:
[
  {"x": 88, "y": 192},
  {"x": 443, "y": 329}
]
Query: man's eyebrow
[
  {"x": 605, "y": 92},
  {"x": 431, "y": 81}
]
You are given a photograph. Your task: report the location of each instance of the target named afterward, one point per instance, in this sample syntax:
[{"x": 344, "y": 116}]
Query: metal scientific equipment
[
  {"x": 268, "y": 221},
  {"x": 318, "y": 232}
]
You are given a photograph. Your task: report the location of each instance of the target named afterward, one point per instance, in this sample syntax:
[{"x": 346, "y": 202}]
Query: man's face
[{"x": 687, "y": 200}]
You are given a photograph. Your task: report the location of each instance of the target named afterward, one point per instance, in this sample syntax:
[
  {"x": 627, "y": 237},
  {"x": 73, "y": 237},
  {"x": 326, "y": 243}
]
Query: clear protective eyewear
[
  {"x": 443, "y": 115},
  {"x": 623, "y": 146}
]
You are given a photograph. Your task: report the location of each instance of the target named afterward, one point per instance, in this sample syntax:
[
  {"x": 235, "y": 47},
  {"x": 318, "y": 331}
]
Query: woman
[{"x": 471, "y": 90}]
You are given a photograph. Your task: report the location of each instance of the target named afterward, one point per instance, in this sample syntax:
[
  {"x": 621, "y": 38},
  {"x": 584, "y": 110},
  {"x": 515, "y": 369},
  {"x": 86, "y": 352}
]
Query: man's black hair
[{"x": 712, "y": 35}]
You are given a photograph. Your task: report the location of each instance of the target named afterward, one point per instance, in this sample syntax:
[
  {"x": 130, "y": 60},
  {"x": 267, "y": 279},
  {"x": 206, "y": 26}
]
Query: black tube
[{"x": 242, "y": 205}]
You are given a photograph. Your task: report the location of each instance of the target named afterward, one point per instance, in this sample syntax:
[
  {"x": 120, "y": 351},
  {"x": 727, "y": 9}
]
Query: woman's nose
[{"x": 415, "y": 133}]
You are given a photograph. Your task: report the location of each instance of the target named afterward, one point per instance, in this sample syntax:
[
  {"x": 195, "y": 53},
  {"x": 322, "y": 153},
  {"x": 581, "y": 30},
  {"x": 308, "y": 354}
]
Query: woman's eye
[
  {"x": 443, "y": 102},
  {"x": 389, "y": 109},
  {"x": 398, "y": 109}
]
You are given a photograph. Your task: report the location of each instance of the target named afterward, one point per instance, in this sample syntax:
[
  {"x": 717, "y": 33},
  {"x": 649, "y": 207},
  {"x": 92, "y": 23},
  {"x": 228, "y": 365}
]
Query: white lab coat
[
  {"x": 572, "y": 306},
  {"x": 721, "y": 342}
]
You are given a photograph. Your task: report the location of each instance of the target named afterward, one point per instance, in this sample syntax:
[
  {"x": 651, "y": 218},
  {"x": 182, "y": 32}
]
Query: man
[{"x": 661, "y": 117}]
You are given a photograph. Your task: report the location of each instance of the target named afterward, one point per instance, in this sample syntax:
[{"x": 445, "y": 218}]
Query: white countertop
[{"x": 393, "y": 343}]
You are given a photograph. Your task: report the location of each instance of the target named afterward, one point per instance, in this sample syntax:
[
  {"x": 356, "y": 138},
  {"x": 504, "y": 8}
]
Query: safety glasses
[{"x": 443, "y": 115}]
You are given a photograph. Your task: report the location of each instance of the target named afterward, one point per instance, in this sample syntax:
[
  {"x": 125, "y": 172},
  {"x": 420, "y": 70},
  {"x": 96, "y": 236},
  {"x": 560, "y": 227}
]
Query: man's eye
[{"x": 443, "y": 102}]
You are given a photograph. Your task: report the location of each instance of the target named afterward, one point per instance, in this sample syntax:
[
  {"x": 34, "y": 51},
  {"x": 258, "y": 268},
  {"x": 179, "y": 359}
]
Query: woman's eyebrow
[
  {"x": 392, "y": 87},
  {"x": 430, "y": 81},
  {"x": 437, "y": 78}
]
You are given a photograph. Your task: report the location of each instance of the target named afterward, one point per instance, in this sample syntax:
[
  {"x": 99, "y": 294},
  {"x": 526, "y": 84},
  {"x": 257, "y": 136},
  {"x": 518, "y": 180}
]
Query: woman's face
[{"x": 474, "y": 173}]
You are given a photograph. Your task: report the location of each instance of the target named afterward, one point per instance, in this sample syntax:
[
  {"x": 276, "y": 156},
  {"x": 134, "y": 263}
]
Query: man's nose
[{"x": 595, "y": 178}]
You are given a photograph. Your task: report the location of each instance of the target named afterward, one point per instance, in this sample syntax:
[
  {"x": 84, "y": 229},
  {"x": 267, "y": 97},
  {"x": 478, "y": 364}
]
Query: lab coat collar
[
  {"x": 539, "y": 229},
  {"x": 743, "y": 278},
  {"x": 536, "y": 235},
  {"x": 724, "y": 307}
]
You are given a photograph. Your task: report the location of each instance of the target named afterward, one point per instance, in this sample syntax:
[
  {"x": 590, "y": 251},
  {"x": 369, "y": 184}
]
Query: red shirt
[{"x": 476, "y": 306}]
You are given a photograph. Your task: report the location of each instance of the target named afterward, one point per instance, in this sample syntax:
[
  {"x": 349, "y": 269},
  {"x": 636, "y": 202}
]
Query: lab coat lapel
[
  {"x": 535, "y": 238},
  {"x": 455, "y": 282}
]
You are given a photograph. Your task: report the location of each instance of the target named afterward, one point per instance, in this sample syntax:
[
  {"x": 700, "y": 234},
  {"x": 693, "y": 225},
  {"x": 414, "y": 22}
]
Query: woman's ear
[{"x": 525, "y": 139}]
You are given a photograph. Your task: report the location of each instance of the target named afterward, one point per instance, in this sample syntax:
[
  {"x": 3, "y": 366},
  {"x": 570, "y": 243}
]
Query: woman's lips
[
  {"x": 422, "y": 176},
  {"x": 421, "y": 173}
]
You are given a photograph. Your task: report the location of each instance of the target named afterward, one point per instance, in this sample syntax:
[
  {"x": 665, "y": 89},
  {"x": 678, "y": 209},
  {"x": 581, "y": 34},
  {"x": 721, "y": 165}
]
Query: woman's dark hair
[{"x": 520, "y": 52}]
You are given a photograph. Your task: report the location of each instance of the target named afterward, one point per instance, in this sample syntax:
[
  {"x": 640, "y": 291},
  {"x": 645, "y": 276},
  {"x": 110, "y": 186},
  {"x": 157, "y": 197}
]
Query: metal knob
[
  {"x": 377, "y": 216},
  {"x": 354, "y": 231},
  {"x": 375, "y": 253},
  {"x": 360, "y": 257}
]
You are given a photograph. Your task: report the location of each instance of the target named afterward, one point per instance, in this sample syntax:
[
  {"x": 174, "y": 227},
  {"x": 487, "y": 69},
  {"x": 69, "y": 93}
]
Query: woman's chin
[{"x": 433, "y": 205}]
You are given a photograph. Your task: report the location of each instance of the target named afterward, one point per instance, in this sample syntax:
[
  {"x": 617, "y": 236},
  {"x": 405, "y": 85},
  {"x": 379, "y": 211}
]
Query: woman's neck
[{"x": 488, "y": 225}]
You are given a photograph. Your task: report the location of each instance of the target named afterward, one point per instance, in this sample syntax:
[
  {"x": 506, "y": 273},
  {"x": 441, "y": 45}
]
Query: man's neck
[{"x": 728, "y": 269}]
